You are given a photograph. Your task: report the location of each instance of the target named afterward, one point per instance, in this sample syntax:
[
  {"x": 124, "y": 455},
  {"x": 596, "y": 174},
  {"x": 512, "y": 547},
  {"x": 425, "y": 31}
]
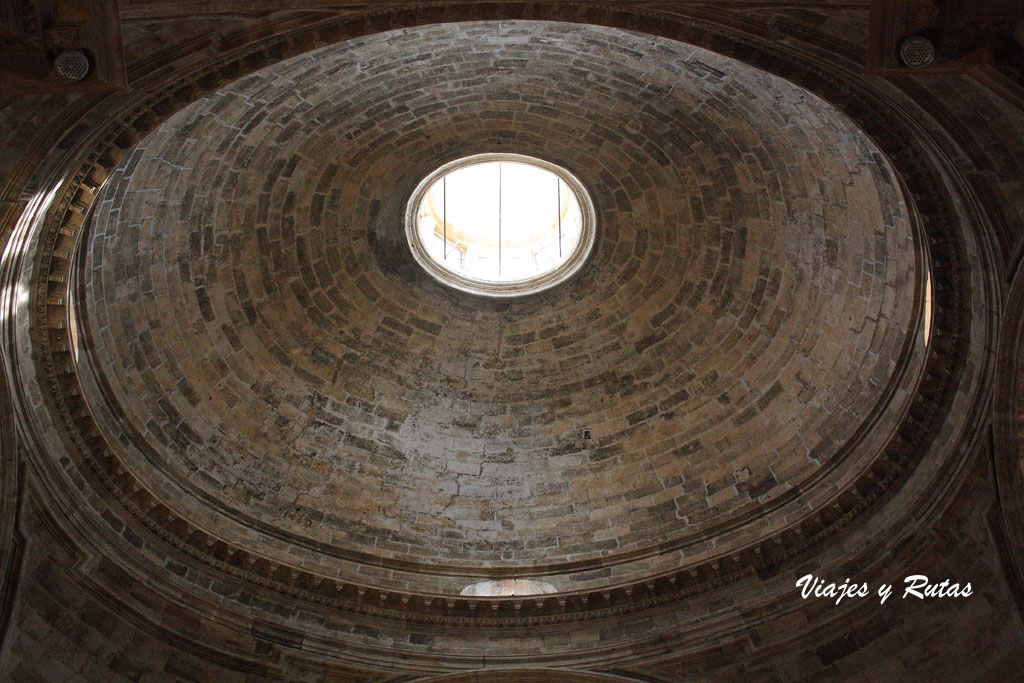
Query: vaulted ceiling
[{"x": 245, "y": 436}]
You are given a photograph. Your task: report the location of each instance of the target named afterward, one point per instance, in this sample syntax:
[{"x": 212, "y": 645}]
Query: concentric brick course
[{"x": 260, "y": 344}]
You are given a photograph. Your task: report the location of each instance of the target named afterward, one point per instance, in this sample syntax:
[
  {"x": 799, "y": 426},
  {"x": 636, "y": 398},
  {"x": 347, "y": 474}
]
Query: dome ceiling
[
  {"x": 269, "y": 360},
  {"x": 249, "y": 436}
]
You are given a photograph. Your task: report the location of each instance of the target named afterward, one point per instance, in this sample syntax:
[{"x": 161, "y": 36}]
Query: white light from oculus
[
  {"x": 500, "y": 224},
  {"x": 508, "y": 587}
]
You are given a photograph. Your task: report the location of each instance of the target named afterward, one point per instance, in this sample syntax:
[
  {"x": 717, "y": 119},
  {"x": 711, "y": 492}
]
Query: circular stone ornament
[
  {"x": 71, "y": 65},
  {"x": 500, "y": 225},
  {"x": 917, "y": 52}
]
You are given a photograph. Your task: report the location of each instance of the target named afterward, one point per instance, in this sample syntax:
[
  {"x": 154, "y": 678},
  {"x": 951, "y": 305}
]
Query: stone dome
[
  {"x": 245, "y": 435},
  {"x": 267, "y": 355}
]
